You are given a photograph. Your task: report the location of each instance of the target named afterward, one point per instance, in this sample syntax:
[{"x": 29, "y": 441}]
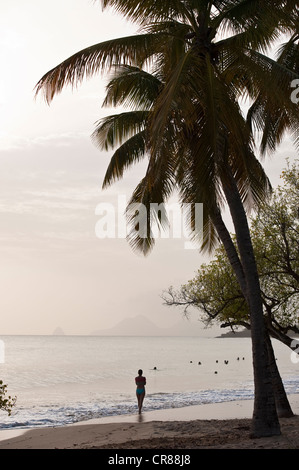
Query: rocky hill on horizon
[{"x": 143, "y": 326}]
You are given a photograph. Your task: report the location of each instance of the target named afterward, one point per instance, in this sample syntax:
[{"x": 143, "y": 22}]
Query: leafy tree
[
  {"x": 6, "y": 402},
  {"x": 216, "y": 293},
  {"x": 276, "y": 234},
  {"x": 195, "y": 135}
]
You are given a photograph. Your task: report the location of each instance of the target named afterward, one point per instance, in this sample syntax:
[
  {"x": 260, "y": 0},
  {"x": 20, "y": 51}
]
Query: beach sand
[{"x": 210, "y": 426}]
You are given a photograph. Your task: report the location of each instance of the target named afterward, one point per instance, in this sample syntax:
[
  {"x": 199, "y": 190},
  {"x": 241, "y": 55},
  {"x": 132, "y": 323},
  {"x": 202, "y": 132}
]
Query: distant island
[
  {"x": 246, "y": 334},
  {"x": 58, "y": 332},
  {"x": 142, "y": 326}
]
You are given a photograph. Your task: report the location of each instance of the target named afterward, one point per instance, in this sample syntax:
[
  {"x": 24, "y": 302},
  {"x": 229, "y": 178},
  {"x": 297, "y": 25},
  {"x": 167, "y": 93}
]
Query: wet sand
[{"x": 211, "y": 426}]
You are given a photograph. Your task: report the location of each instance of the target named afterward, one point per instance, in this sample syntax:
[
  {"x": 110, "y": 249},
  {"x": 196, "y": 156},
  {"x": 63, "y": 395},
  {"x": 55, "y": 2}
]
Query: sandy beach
[{"x": 215, "y": 426}]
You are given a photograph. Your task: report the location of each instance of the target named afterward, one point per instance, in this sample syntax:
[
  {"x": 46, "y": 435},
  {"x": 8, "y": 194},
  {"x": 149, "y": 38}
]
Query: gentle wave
[
  {"x": 63, "y": 380},
  {"x": 44, "y": 416}
]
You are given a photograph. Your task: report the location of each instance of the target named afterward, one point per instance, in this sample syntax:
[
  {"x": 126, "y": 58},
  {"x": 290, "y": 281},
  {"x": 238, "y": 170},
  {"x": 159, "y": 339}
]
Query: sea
[{"x": 60, "y": 380}]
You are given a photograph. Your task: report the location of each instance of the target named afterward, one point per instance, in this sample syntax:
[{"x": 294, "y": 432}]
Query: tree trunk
[
  {"x": 265, "y": 420},
  {"x": 230, "y": 249},
  {"x": 283, "y": 407}
]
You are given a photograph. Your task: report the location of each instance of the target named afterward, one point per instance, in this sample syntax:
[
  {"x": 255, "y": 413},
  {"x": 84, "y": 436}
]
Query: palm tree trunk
[
  {"x": 283, "y": 406},
  {"x": 230, "y": 249},
  {"x": 265, "y": 420}
]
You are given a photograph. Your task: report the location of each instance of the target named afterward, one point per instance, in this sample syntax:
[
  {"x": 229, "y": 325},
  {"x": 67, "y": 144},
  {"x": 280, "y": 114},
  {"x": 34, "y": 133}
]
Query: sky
[{"x": 54, "y": 269}]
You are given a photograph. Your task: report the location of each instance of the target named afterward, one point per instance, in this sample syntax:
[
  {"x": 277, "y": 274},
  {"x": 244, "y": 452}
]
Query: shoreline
[{"x": 216, "y": 425}]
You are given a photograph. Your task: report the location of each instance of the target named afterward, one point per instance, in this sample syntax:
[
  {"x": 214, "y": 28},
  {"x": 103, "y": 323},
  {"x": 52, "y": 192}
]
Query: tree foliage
[
  {"x": 203, "y": 57},
  {"x": 6, "y": 402},
  {"x": 275, "y": 235}
]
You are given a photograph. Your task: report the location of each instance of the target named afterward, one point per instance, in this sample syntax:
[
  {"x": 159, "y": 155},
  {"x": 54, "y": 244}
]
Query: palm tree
[
  {"x": 184, "y": 159},
  {"x": 192, "y": 127},
  {"x": 138, "y": 89}
]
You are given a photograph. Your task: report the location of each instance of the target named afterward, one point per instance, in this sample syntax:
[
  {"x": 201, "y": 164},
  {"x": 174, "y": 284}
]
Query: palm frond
[
  {"x": 271, "y": 120},
  {"x": 253, "y": 184},
  {"x": 115, "y": 129},
  {"x": 142, "y": 11},
  {"x": 179, "y": 83},
  {"x": 132, "y": 87},
  {"x": 132, "y": 50},
  {"x": 200, "y": 185},
  {"x": 129, "y": 153},
  {"x": 151, "y": 195},
  {"x": 261, "y": 21},
  {"x": 273, "y": 113},
  {"x": 288, "y": 54}
]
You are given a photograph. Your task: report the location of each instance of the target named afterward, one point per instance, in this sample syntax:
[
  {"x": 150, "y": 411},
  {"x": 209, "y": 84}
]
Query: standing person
[{"x": 140, "y": 391}]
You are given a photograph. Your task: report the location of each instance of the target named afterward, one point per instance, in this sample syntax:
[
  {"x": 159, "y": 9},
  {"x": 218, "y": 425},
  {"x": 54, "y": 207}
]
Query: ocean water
[{"x": 60, "y": 380}]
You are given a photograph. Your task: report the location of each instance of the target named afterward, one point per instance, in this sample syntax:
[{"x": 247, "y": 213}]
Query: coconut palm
[
  {"x": 190, "y": 165},
  {"x": 138, "y": 90},
  {"x": 191, "y": 127}
]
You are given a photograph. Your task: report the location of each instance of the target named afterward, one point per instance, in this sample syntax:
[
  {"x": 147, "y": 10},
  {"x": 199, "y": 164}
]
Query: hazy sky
[{"x": 54, "y": 271}]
